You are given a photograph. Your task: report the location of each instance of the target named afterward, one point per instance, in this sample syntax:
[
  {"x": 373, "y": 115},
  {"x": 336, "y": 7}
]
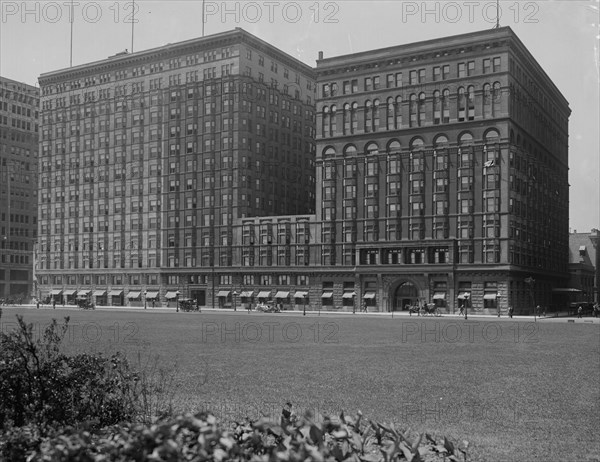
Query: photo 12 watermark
[
  {"x": 239, "y": 12},
  {"x": 467, "y": 332},
  {"x": 454, "y": 12},
  {"x": 89, "y": 332},
  {"x": 269, "y": 332},
  {"x": 67, "y": 12}
]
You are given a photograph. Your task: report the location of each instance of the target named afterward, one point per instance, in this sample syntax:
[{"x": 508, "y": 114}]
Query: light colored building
[
  {"x": 584, "y": 264},
  {"x": 147, "y": 159},
  {"x": 19, "y": 105}
]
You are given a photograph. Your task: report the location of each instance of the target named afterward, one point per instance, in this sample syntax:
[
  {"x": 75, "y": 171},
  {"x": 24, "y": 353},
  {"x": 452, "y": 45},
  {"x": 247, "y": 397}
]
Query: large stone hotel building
[
  {"x": 19, "y": 106},
  {"x": 224, "y": 170}
]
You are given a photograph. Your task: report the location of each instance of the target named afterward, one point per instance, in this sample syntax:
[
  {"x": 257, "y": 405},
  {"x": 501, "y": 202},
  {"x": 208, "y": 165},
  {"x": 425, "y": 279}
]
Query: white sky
[{"x": 562, "y": 35}]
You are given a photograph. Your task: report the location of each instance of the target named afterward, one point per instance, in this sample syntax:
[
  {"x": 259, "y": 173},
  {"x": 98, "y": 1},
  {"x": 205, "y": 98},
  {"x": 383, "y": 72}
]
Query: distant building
[
  {"x": 147, "y": 160},
  {"x": 584, "y": 265},
  {"x": 19, "y": 105}
]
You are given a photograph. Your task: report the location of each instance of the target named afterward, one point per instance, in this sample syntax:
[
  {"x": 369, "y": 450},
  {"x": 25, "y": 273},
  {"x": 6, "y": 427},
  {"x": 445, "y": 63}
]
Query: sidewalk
[{"x": 562, "y": 317}]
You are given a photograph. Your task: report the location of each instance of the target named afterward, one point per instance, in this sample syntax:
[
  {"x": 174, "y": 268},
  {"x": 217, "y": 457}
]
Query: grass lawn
[{"x": 515, "y": 390}]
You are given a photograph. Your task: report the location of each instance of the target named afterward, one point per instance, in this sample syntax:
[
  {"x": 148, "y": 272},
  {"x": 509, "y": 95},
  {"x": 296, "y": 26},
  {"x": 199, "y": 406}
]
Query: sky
[{"x": 563, "y": 36}]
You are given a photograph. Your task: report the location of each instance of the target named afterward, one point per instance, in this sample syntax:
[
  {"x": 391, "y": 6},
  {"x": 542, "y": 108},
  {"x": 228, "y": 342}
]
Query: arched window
[
  {"x": 461, "y": 104},
  {"x": 390, "y": 114},
  {"x": 492, "y": 135},
  {"x": 437, "y": 108},
  {"x": 332, "y": 121},
  {"x": 372, "y": 149},
  {"x": 417, "y": 143},
  {"x": 496, "y": 92},
  {"x": 471, "y": 102},
  {"x": 398, "y": 110},
  {"x": 350, "y": 150},
  {"x": 368, "y": 115},
  {"x": 329, "y": 152},
  {"x": 440, "y": 140},
  {"x": 346, "y": 116},
  {"x": 421, "y": 108},
  {"x": 445, "y": 106},
  {"x": 375, "y": 115},
  {"x": 413, "y": 121},
  {"x": 487, "y": 100},
  {"x": 354, "y": 117},
  {"x": 394, "y": 147},
  {"x": 465, "y": 139}
]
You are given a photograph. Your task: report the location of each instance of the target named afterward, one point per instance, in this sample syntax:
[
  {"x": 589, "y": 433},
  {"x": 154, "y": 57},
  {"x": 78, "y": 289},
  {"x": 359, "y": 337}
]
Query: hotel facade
[
  {"x": 433, "y": 172},
  {"x": 19, "y": 106}
]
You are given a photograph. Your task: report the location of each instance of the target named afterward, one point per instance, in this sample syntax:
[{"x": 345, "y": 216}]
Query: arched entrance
[{"x": 406, "y": 294}]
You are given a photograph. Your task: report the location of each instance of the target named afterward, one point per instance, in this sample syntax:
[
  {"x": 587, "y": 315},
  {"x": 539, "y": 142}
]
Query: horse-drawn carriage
[
  {"x": 85, "y": 304},
  {"x": 426, "y": 309}
]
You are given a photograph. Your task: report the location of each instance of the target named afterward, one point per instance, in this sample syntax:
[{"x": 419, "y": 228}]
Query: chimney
[{"x": 320, "y": 55}]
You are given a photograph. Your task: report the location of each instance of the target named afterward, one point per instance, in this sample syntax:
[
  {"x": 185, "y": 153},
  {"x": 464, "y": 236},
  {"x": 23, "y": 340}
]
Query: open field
[{"x": 516, "y": 390}]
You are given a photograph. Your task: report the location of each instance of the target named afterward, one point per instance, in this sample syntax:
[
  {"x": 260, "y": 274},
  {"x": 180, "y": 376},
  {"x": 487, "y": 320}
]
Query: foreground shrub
[
  {"x": 40, "y": 386},
  {"x": 199, "y": 437}
]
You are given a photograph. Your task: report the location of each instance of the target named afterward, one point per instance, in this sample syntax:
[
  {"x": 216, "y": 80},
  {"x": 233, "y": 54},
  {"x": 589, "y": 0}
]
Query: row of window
[{"x": 416, "y": 77}]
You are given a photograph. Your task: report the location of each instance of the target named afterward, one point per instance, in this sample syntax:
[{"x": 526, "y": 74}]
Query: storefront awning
[
  {"x": 300, "y": 294},
  {"x": 69, "y": 292},
  {"x": 282, "y": 294},
  {"x": 348, "y": 295},
  {"x": 99, "y": 293},
  {"x": 369, "y": 295},
  {"x": 327, "y": 295},
  {"x": 247, "y": 293},
  {"x": 490, "y": 296},
  {"x": 223, "y": 293},
  {"x": 171, "y": 295},
  {"x": 115, "y": 293},
  {"x": 566, "y": 290},
  {"x": 439, "y": 296},
  {"x": 131, "y": 295},
  {"x": 83, "y": 293},
  {"x": 151, "y": 294},
  {"x": 264, "y": 294},
  {"x": 464, "y": 295},
  {"x": 56, "y": 292}
]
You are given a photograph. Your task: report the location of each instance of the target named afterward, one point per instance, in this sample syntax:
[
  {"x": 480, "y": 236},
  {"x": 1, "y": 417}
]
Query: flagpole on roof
[
  {"x": 202, "y": 18},
  {"x": 497, "y": 14},
  {"x": 132, "y": 22},
  {"x": 71, "y": 51}
]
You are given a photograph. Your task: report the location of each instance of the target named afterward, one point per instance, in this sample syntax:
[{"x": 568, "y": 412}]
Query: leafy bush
[
  {"x": 200, "y": 437},
  {"x": 40, "y": 385}
]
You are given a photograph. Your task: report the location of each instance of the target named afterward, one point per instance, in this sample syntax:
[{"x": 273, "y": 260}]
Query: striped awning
[
  {"x": 300, "y": 294},
  {"x": 115, "y": 293},
  {"x": 264, "y": 294},
  {"x": 134, "y": 295},
  {"x": 83, "y": 292},
  {"x": 223, "y": 293},
  {"x": 56, "y": 292},
  {"x": 171, "y": 295},
  {"x": 464, "y": 295},
  {"x": 490, "y": 296},
  {"x": 327, "y": 294},
  {"x": 282, "y": 294},
  {"x": 439, "y": 296},
  {"x": 247, "y": 293},
  {"x": 151, "y": 294},
  {"x": 69, "y": 292},
  {"x": 369, "y": 295},
  {"x": 348, "y": 295},
  {"x": 99, "y": 293}
]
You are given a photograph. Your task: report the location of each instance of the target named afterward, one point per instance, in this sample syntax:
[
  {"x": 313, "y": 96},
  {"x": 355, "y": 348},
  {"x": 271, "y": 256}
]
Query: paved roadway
[{"x": 397, "y": 314}]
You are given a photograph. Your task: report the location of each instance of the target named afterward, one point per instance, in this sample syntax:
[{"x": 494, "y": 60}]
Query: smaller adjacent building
[
  {"x": 18, "y": 187},
  {"x": 584, "y": 261}
]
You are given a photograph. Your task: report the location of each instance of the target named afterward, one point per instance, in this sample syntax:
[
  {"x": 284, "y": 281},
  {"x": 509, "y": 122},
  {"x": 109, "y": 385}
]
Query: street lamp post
[
  {"x": 177, "y": 301},
  {"x": 304, "y": 303},
  {"x": 354, "y": 302},
  {"x": 235, "y": 294},
  {"x": 145, "y": 299}
]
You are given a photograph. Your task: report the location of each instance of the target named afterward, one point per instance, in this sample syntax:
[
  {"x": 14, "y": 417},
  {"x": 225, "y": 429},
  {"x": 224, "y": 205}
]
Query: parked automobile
[{"x": 267, "y": 307}]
